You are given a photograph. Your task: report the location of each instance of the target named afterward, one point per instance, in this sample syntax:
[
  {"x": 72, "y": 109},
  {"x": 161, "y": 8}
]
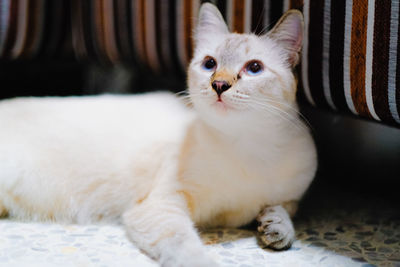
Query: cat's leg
[
  {"x": 161, "y": 226},
  {"x": 276, "y": 227}
]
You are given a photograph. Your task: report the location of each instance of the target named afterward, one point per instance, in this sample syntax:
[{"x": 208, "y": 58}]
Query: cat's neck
[
  {"x": 259, "y": 129},
  {"x": 252, "y": 136}
]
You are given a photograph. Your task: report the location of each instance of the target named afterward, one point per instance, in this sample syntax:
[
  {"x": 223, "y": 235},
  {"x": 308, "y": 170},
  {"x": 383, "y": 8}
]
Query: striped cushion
[
  {"x": 157, "y": 33},
  {"x": 33, "y": 28},
  {"x": 351, "y": 57},
  {"x": 349, "y": 61}
]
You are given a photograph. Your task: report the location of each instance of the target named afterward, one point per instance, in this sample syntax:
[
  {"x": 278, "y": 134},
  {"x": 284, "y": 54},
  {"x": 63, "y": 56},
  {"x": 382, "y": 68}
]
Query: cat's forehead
[
  {"x": 237, "y": 47},
  {"x": 234, "y": 43}
]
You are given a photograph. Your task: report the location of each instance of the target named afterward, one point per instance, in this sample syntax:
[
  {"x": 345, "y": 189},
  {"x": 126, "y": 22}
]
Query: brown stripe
[
  {"x": 139, "y": 29},
  {"x": 381, "y": 59},
  {"x": 336, "y": 51},
  {"x": 238, "y": 16},
  {"x": 110, "y": 42},
  {"x": 315, "y": 44},
  {"x": 296, "y": 4},
  {"x": 98, "y": 29},
  {"x": 187, "y": 29},
  {"x": 357, "y": 57},
  {"x": 150, "y": 37}
]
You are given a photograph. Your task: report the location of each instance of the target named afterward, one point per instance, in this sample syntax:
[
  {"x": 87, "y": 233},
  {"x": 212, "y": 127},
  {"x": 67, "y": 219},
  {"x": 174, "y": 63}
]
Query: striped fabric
[
  {"x": 350, "y": 56},
  {"x": 157, "y": 33},
  {"x": 33, "y": 28}
]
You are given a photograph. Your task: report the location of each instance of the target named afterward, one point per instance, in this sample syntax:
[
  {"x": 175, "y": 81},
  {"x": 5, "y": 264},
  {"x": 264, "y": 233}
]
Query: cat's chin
[{"x": 222, "y": 107}]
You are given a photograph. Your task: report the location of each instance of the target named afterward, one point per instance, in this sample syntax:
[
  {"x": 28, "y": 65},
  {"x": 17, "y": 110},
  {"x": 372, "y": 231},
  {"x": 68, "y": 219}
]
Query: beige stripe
[
  {"x": 369, "y": 59},
  {"x": 247, "y": 15},
  {"x": 304, "y": 61},
  {"x": 180, "y": 32},
  {"x": 22, "y": 28},
  {"x": 286, "y": 4},
  {"x": 325, "y": 53},
  {"x": 229, "y": 14},
  {"x": 5, "y": 14},
  {"x": 139, "y": 29},
  {"x": 193, "y": 19},
  {"x": 346, "y": 55},
  {"x": 150, "y": 35},
  {"x": 392, "y": 68},
  {"x": 267, "y": 10}
]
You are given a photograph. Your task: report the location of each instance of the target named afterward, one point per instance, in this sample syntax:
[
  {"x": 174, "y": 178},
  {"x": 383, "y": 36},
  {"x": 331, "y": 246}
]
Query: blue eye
[
  {"x": 209, "y": 63},
  {"x": 254, "y": 67}
]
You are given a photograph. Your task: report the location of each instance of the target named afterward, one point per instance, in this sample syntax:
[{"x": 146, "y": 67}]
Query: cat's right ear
[
  {"x": 288, "y": 33},
  {"x": 210, "y": 22}
]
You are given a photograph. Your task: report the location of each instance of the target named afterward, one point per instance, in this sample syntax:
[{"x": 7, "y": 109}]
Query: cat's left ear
[
  {"x": 288, "y": 32},
  {"x": 210, "y": 23}
]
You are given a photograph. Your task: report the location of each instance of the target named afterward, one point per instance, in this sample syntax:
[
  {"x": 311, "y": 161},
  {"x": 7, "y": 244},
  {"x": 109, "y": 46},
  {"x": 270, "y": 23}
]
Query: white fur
[
  {"x": 61, "y": 156},
  {"x": 154, "y": 163}
]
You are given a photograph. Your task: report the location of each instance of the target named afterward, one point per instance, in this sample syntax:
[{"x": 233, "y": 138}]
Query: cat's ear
[
  {"x": 210, "y": 22},
  {"x": 288, "y": 32}
]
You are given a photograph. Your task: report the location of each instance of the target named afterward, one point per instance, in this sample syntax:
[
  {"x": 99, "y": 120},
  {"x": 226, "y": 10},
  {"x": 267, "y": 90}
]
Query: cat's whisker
[
  {"x": 287, "y": 114},
  {"x": 291, "y": 108},
  {"x": 260, "y": 20},
  {"x": 280, "y": 103},
  {"x": 182, "y": 93},
  {"x": 265, "y": 29},
  {"x": 241, "y": 95},
  {"x": 278, "y": 112},
  {"x": 282, "y": 115},
  {"x": 185, "y": 97}
]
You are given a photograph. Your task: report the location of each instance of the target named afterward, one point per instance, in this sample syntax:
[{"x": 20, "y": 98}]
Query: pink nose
[{"x": 220, "y": 86}]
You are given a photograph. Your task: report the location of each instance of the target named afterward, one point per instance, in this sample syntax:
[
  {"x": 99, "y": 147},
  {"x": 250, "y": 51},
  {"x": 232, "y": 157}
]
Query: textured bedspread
[{"x": 34, "y": 244}]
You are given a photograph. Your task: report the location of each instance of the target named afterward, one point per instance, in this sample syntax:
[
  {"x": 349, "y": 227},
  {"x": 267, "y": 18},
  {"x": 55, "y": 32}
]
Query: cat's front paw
[{"x": 276, "y": 228}]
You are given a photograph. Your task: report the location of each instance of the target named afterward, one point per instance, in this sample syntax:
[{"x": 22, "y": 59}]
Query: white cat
[{"x": 241, "y": 152}]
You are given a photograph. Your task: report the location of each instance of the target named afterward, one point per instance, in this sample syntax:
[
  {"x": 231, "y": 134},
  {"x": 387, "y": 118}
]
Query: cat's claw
[{"x": 276, "y": 228}]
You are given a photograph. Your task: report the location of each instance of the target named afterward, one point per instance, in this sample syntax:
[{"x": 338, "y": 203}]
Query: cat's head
[{"x": 232, "y": 75}]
